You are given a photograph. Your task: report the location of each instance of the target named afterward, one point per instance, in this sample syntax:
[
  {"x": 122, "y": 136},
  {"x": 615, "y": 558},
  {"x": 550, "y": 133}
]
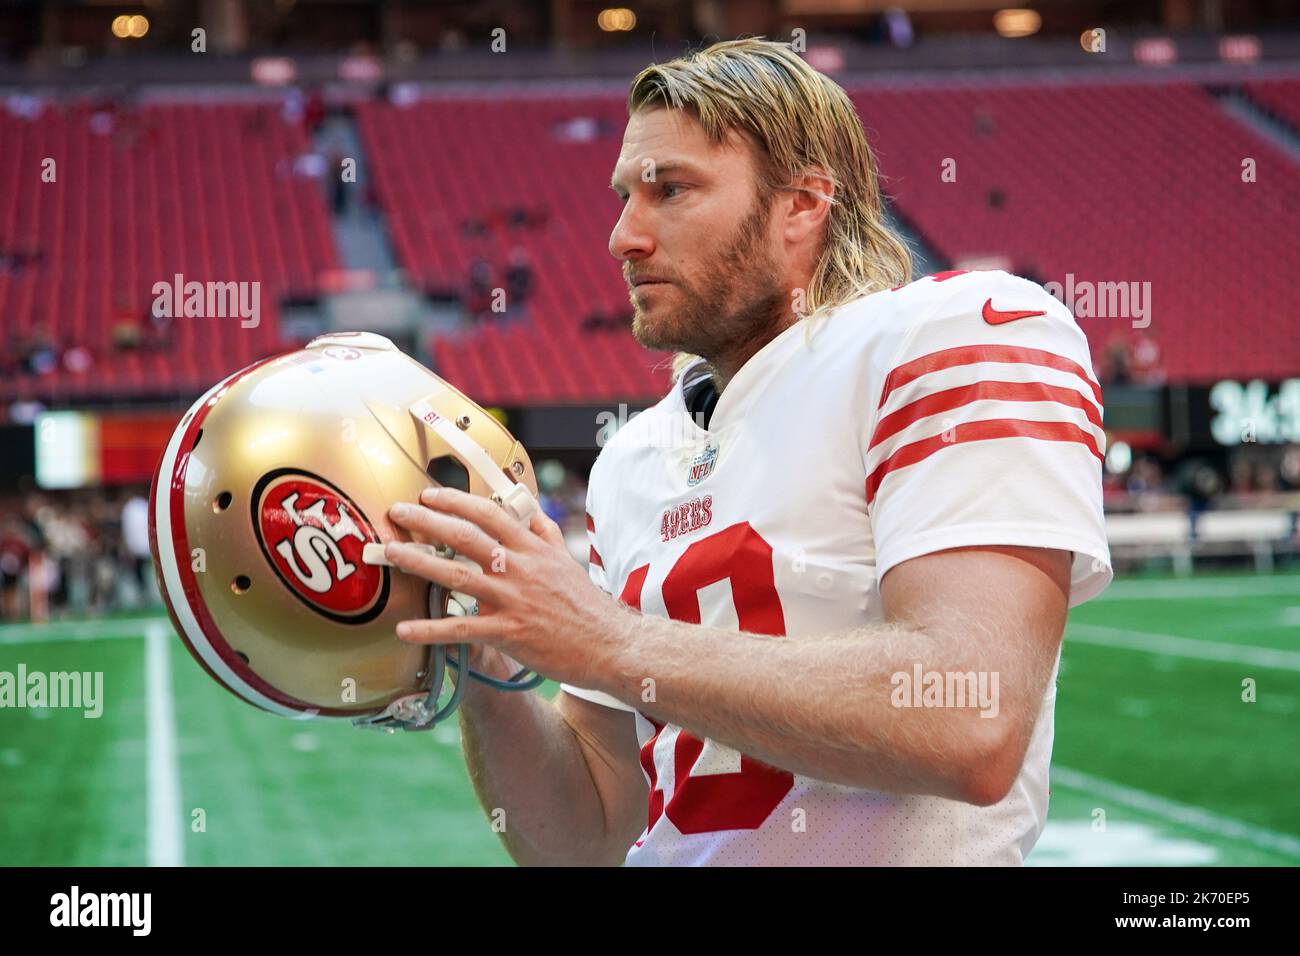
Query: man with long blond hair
[{"x": 830, "y": 570}]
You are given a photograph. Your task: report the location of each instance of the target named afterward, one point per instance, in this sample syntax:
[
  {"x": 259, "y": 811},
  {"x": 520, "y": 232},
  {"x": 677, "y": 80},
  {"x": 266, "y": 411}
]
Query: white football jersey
[{"x": 959, "y": 410}]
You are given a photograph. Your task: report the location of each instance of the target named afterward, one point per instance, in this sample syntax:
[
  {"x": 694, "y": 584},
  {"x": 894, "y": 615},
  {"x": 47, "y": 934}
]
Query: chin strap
[{"x": 421, "y": 710}]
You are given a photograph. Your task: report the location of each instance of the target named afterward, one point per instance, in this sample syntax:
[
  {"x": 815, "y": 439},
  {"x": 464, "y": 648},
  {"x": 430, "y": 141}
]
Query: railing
[{"x": 1182, "y": 536}]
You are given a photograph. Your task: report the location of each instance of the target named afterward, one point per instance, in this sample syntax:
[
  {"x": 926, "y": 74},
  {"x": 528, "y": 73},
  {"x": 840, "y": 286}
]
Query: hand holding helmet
[{"x": 268, "y": 519}]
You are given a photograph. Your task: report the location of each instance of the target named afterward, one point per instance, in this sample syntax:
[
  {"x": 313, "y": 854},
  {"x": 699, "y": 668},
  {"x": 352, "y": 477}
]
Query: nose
[{"x": 631, "y": 240}]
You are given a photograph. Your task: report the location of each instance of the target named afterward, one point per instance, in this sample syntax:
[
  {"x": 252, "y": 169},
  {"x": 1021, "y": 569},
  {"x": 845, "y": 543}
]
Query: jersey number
[{"x": 719, "y": 801}]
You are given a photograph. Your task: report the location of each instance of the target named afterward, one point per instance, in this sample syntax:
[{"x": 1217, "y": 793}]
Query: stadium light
[
  {"x": 1239, "y": 49},
  {"x": 130, "y": 27},
  {"x": 1017, "y": 22},
  {"x": 616, "y": 19},
  {"x": 1155, "y": 51},
  {"x": 273, "y": 71}
]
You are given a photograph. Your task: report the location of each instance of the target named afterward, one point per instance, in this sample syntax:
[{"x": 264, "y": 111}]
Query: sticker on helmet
[{"x": 313, "y": 536}]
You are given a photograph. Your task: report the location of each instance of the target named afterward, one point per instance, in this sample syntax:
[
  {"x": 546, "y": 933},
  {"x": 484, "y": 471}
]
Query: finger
[
  {"x": 457, "y": 533},
  {"x": 446, "y": 630},
  {"x": 543, "y": 525},
  {"x": 454, "y": 575},
  {"x": 488, "y": 515}
]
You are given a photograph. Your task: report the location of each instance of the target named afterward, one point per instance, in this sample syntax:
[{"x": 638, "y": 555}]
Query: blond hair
[{"x": 802, "y": 122}]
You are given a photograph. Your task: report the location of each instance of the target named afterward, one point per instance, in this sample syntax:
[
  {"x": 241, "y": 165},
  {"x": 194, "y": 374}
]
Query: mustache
[{"x": 632, "y": 278}]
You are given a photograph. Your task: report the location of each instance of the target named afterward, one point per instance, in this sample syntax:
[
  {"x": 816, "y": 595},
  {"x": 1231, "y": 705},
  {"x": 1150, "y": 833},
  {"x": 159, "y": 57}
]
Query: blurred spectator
[
  {"x": 1289, "y": 468},
  {"x": 15, "y": 557},
  {"x": 16, "y": 259},
  {"x": 310, "y": 165},
  {"x": 1131, "y": 360},
  {"x": 1241, "y": 476},
  {"x": 519, "y": 284},
  {"x": 102, "y": 120},
  {"x": 1115, "y": 362},
  {"x": 135, "y": 540},
  {"x": 579, "y": 129},
  {"x": 505, "y": 219},
  {"x": 478, "y": 297},
  {"x": 293, "y": 107},
  {"x": 898, "y": 28},
  {"x": 78, "y": 552},
  {"x": 1145, "y": 476},
  {"x": 128, "y": 331},
  {"x": 27, "y": 106},
  {"x": 106, "y": 530},
  {"x": 313, "y": 111},
  {"x": 161, "y": 328},
  {"x": 78, "y": 360},
  {"x": 40, "y": 355},
  {"x": 1201, "y": 484},
  {"x": 68, "y": 545},
  {"x": 338, "y": 188},
  {"x": 1266, "y": 478},
  {"x": 1144, "y": 361}
]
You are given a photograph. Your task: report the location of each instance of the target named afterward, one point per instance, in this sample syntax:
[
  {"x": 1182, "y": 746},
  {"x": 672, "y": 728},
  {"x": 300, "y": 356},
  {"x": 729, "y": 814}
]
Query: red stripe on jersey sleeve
[
  {"x": 918, "y": 451},
  {"x": 971, "y": 354},
  {"x": 594, "y": 558},
  {"x": 951, "y": 398},
  {"x": 591, "y": 523}
]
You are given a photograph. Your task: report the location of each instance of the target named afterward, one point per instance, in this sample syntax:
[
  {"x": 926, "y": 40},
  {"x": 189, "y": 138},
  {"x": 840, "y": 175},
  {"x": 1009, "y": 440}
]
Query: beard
[{"x": 736, "y": 309}]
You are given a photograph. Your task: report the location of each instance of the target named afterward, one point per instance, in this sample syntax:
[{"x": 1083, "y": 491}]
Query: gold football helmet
[{"x": 268, "y": 515}]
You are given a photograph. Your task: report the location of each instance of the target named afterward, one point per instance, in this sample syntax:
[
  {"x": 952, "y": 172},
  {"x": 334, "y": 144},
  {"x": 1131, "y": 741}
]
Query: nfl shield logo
[{"x": 702, "y": 465}]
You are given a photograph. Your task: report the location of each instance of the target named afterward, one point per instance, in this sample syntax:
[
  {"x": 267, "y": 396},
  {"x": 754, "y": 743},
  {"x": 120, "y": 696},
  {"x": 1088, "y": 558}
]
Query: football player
[{"x": 830, "y": 570}]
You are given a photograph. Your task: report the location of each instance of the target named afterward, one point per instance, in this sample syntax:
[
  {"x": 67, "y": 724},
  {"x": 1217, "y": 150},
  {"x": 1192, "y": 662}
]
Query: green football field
[{"x": 1158, "y": 758}]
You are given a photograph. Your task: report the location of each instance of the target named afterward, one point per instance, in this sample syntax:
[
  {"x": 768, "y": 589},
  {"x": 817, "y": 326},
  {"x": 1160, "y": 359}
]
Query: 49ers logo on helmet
[{"x": 313, "y": 536}]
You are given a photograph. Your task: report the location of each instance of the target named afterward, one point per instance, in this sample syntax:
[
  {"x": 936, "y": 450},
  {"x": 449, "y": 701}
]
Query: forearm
[
  {"x": 531, "y": 776},
  {"x": 821, "y": 706}
]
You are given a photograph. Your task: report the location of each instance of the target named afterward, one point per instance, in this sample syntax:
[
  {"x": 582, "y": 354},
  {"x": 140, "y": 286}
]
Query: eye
[{"x": 671, "y": 190}]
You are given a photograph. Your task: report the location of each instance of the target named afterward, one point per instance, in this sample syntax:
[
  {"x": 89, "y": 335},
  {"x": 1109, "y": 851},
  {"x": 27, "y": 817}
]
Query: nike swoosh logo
[{"x": 998, "y": 317}]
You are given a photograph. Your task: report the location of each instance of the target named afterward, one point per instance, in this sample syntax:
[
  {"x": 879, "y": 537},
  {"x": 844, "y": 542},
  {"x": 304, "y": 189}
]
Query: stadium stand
[
  {"x": 444, "y": 166},
  {"x": 1066, "y": 181},
  {"x": 1113, "y": 183},
  {"x": 1065, "y": 178},
  {"x": 145, "y": 194}
]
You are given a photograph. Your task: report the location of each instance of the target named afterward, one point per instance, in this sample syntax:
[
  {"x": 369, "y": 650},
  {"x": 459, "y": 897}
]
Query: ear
[{"x": 811, "y": 194}]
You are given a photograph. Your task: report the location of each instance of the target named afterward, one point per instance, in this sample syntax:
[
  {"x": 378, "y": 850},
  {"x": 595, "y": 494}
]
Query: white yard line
[
  {"x": 166, "y": 842},
  {"x": 1175, "y": 646},
  {"x": 92, "y": 630},
  {"x": 1175, "y": 812}
]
